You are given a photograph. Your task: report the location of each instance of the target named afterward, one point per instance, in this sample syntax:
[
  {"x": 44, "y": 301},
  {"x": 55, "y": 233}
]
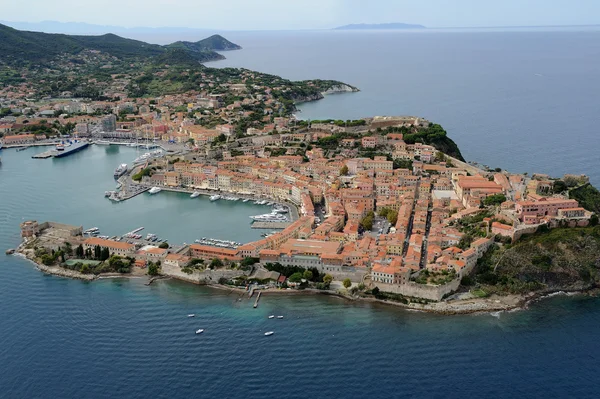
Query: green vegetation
[
  {"x": 154, "y": 268},
  {"x": 144, "y": 172},
  {"x": 588, "y": 197},
  {"x": 559, "y": 259},
  {"x": 298, "y": 272},
  {"x": 495, "y": 199},
  {"x": 367, "y": 222},
  {"x": 164, "y": 245},
  {"x": 390, "y": 214},
  {"x": 434, "y": 277}
]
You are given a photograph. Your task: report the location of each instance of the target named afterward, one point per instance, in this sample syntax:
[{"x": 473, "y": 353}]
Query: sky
[{"x": 305, "y": 14}]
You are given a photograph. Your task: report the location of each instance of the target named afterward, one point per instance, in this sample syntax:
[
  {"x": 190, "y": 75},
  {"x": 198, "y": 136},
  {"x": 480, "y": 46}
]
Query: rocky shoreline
[{"x": 493, "y": 304}]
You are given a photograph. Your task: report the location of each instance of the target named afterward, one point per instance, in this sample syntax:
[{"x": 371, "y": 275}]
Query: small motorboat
[
  {"x": 269, "y": 333},
  {"x": 272, "y": 317},
  {"x": 280, "y": 317},
  {"x": 192, "y": 315},
  {"x": 200, "y": 331}
]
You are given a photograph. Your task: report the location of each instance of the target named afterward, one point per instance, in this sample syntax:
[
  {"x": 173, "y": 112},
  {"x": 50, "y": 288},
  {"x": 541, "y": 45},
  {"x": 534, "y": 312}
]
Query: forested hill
[{"x": 24, "y": 47}]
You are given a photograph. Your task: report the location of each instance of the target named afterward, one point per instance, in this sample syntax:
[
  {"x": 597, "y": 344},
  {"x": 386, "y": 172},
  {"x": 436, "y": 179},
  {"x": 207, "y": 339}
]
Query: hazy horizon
[{"x": 241, "y": 15}]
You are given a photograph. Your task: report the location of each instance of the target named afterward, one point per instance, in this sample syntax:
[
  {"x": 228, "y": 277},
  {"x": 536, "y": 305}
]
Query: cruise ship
[
  {"x": 155, "y": 190},
  {"x": 120, "y": 171}
]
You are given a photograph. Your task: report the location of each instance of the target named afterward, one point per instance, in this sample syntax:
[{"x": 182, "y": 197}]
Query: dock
[
  {"x": 45, "y": 154},
  {"x": 73, "y": 148},
  {"x": 270, "y": 225},
  {"x": 257, "y": 299}
]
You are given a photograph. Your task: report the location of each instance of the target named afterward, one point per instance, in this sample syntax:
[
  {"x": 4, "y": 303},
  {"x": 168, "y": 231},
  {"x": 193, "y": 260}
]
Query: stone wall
[
  {"x": 411, "y": 289},
  {"x": 199, "y": 277}
]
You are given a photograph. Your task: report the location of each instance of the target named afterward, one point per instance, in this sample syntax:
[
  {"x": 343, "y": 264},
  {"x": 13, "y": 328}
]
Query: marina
[{"x": 218, "y": 243}]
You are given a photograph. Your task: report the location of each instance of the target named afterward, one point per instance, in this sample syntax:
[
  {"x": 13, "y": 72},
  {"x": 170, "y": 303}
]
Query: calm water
[
  {"x": 61, "y": 338},
  {"x": 526, "y": 101}
]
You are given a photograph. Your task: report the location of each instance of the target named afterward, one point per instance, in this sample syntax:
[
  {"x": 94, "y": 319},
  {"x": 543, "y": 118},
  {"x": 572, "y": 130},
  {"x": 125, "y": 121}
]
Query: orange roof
[{"x": 93, "y": 241}]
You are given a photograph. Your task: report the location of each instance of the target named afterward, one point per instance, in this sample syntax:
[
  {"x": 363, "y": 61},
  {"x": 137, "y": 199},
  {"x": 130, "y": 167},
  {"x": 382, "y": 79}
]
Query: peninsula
[{"x": 387, "y": 208}]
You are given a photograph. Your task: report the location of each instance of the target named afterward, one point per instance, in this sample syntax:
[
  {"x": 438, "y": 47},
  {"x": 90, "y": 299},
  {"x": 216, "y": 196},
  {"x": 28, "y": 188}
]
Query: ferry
[
  {"x": 120, "y": 171},
  {"x": 269, "y": 333},
  {"x": 195, "y": 194},
  {"x": 155, "y": 190},
  {"x": 215, "y": 197}
]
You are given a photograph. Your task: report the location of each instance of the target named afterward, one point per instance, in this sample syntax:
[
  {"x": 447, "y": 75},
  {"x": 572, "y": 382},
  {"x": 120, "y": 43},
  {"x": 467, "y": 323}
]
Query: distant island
[{"x": 393, "y": 25}]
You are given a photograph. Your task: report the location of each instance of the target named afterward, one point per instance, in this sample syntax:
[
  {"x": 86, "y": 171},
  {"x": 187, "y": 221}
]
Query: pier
[
  {"x": 257, "y": 299},
  {"x": 45, "y": 154},
  {"x": 270, "y": 225}
]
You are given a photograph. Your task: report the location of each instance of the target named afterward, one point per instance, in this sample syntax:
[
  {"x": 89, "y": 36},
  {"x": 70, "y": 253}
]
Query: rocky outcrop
[{"x": 341, "y": 88}]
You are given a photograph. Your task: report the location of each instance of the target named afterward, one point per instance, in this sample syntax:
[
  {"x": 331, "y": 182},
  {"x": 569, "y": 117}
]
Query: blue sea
[{"x": 110, "y": 338}]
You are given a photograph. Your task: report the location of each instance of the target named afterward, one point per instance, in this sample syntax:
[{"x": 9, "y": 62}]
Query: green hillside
[{"x": 25, "y": 47}]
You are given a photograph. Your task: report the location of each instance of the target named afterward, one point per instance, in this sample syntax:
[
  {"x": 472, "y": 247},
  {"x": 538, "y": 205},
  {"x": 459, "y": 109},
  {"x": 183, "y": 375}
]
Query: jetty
[
  {"x": 45, "y": 154},
  {"x": 257, "y": 299}
]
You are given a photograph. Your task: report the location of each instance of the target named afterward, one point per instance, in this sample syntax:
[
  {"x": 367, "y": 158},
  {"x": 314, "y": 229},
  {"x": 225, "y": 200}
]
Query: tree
[
  {"x": 559, "y": 186},
  {"x": 392, "y": 217},
  {"x": 308, "y": 275},
  {"x": 375, "y": 291},
  {"x": 153, "y": 269},
  {"x": 296, "y": 277},
  {"x": 344, "y": 170},
  {"x": 79, "y": 251},
  {"x": 347, "y": 283},
  {"x": 164, "y": 245},
  {"x": 104, "y": 254},
  {"x": 367, "y": 222},
  {"x": 215, "y": 263},
  {"x": 495, "y": 199},
  {"x": 328, "y": 278}
]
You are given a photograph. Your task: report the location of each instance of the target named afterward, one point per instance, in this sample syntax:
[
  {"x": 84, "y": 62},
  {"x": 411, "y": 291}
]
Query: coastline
[{"x": 493, "y": 304}]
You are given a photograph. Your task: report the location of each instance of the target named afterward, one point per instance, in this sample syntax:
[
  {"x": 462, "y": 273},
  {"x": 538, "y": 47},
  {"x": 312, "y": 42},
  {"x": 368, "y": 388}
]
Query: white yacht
[
  {"x": 215, "y": 197},
  {"x": 192, "y": 315},
  {"x": 103, "y": 142},
  {"x": 269, "y": 333},
  {"x": 200, "y": 331},
  {"x": 272, "y": 317},
  {"x": 155, "y": 190},
  {"x": 280, "y": 317},
  {"x": 195, "y": 194},
  {"x": 246, "y": 200},
  {"x": 120, "y": 171}
]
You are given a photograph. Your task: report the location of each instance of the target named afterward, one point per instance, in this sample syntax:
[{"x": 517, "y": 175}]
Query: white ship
[
  {"x": 103, "y": 142},
  {"x": 215, "y": 197},
  {"x": 195, "y": 194},
  {"x": 120, "y": 171},
  {"x": 155, "y": 190}
]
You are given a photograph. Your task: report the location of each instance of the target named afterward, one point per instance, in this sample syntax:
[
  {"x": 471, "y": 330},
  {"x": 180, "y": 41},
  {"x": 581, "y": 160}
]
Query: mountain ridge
[{"x": 27, "y": 46}]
